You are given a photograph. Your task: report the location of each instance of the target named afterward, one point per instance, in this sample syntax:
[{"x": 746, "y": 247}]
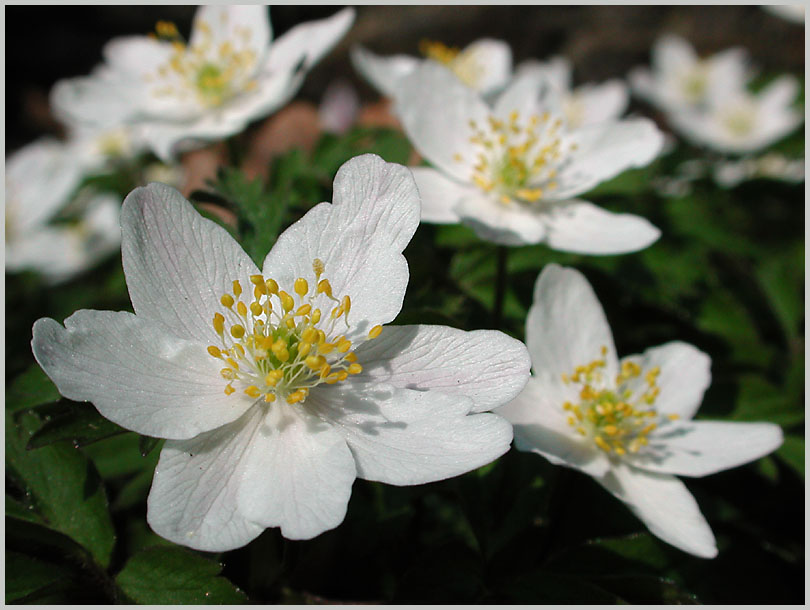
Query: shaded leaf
[
  {"x": 80, "y": 424},
  {"x": 172, "y": 575},
  {"x": 30, "y": 389},
  {"x": 792, "y": 452}
]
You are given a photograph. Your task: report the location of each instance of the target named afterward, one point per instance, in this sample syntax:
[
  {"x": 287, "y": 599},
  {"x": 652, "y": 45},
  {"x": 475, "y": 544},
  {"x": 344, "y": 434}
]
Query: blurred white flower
[
  {"x": 512, "y": 171},
  {"x": 771, "y": 165},
  {"x": 627, "y": 423},
  {"x": 180, "y": 95},
  {"x": 41, "y": 179},
  {"x": 587, "y": 104},
  {"x": 743, "y": 122},
  {"x": 277, "y": 388},
  {"x": 484, "y": 65},
  {"x": 680, "y": 80},
  {"x": 791, "y": 12}
]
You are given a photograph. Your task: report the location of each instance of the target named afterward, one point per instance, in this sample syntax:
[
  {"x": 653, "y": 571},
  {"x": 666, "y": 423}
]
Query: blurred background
[{"x": 45, "y": 43}]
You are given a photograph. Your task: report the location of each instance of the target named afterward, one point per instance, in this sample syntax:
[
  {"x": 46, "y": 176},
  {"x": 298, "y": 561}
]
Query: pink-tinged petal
[
  {"x": 699, "y": 448},
  {"x": 383, "y": 73},
  {"x": 487, "y": 366},
  {"x": 193, "y": 500},
  {"x": 408, "y": 437},
  {"x": 305, "y": 44},
  {"x": 298, "y": 473},
  {"x": 493, "y": 58},
  {"x": 510, "y": 224},
  {"x": 540, "y": 427},
  {"x": 177, "y": 263},
  {"x": 665, "y": 506},
  {"x": 605, "y": 150},
  {"x": 359, "y": 238},
  {"x": 579, "y": 226},
  {"x": 436, "y": 109},
  {"x": 136, "y": 374},
  {"x": 566, "y": 326},
  {"x": 439, "y": 195},
  {"x": 685, "y": 375}
]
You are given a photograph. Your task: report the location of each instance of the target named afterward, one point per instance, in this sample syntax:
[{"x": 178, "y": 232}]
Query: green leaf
[
  {"x": 146, "y": 444},
  {"x": 782, "y": 280},
  {"x": 792, "y": 452},
  {"x": 173, "y": 575},
  {"x": 78, "y": 423},
  {"x": 543, "y": 587},
  {"x": 25, "y": 576},
  {"x": 120, "y": 456},
  {"x": 63, "y": 485},
  {"x": 760, "y": 400},
  {"x": 30, "y": 389}
]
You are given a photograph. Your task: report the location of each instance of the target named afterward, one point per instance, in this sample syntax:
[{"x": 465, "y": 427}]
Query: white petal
[
  {"x": 435, "y": 109},
  {"x": 177, "y": 263},
  {"x": 540, "y": 426},
  {"x": 779, "y": 93},
  {"x": 665, "y": 506},
  {"x": 243, "y": 26},
  {"x": 523, "y": 96},
  {"x": 91, "y": 100},
  {"x": 136, "y": 374},
  {"x": 485, "y": 365},
  {"x": 408, "y": 437},
  {"x": 699, "y": 448},
  {"x": 728, "y": 73},
  {"x": 494, "y": 60},
  {"x": 298, "y": 474},
  {"x": 605, "y": 150},
  {"x": 685, "y": 375},
  {"x": 193, "y": 497},
  {"x": 439, "y": 195},
  {"x": 672, "y": 53},
  {"x": 359, "y": 238},
  {"x": 566, "y": 326},
  {"x": 579, "y": 226},
  {"x": 512, "y": 224},
  {"x": 383, "y": 72},
  {"x": 307, "y": 43},
  {"x": 603, "y": 102}
]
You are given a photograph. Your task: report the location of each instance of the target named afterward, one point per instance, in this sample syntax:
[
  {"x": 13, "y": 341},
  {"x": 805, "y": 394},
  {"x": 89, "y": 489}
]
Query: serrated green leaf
[
  {"x": 171, "y": 575},
  {"x": 64, "y": 487},
  {"x": 80, "y": 424},
  {"x": 30, "y": 389}
]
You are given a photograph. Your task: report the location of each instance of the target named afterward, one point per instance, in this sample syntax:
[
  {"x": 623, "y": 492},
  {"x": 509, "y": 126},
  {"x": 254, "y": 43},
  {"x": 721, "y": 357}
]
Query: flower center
[
  {"x": 518, "y": 161},
  {"x": 281, "y": 346},
  {"x": 739, "y": 120},
  {"x": 618, "y": 417},
  {"x": 694, "y": 83},
  {"x": 464, "y": 65},
  {"x": 207, "y": 74}
]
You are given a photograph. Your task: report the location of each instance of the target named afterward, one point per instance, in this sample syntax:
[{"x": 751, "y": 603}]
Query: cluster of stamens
[
  {"x": 279, "y": 345},
  {"x": 518, "y": 161},
  {"x": 464, "y": 65},
  {"x": 693, "y": 83},
  {"x": 211, "y": 76},
  {"x": 738, "y": 118},
  {"x": 616, "y": 418}
]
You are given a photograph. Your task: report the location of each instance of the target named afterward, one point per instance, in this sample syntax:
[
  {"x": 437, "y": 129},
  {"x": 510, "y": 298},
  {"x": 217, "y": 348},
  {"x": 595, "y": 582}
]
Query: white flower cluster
[
  {"x": 709, "y": 102},
  {"x": 277, "y": 387}
]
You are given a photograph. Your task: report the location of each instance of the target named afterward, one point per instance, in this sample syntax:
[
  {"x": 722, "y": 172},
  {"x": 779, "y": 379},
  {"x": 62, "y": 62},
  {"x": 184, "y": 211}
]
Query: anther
[
  {"x": 375, "y": 332},
  {"x": 237, "y": 288},
  {"x": 301, "y": 287},
  {"x": 237, "y": 331}
]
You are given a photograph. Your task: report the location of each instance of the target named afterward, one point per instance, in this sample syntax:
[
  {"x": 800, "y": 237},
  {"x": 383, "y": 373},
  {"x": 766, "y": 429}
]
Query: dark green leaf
[
  {"x": 146, "y": 444},
  {"x": 792, "y": 452},
  {"x": 63, "y": 485},
  {"x": 80, "y": 424},
  {"x": 25, "y": 576},
  {"x": 30, "y": 389},
  {"x": 173, "y": 575}
]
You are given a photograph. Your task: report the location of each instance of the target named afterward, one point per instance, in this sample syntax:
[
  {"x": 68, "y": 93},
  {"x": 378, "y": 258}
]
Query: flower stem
[{"x": 500, "y": 287}]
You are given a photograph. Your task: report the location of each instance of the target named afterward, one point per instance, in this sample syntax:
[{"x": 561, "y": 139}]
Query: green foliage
[{"x": 175, "y": 576}]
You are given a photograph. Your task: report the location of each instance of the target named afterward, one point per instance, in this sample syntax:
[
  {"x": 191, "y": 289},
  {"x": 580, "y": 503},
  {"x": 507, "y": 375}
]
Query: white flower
[
  {"x": 41, "y": 180},
  {"x": 790, "y": 12},
  {"x": 743, "y": 122},
  {"x": 276, "y": 388},
  {"x": 730, "y": 173},
  {"x": 512, "y": 172},
  {"x": 181, "y": 94},
  {"x": 627, "y": 423},
  {"x": 484, "y": 65},
  {"x": 680, "y": 80},
  {"x": 587, "y": 104}
]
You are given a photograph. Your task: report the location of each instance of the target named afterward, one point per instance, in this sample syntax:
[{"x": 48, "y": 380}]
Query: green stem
[{"x": 500, "y": 287}]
